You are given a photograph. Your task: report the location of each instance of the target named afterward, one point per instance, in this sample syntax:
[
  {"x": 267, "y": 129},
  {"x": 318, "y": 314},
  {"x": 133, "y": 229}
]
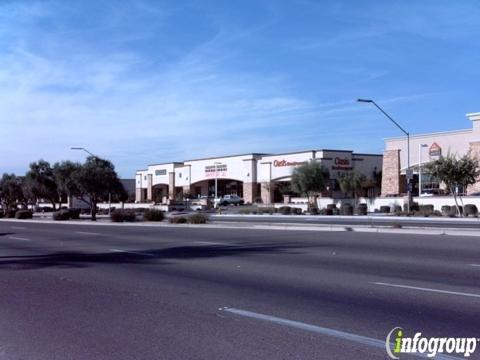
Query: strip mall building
[
  {"x": 255, "y": 177},
  {"x": 425, "y": 148}
]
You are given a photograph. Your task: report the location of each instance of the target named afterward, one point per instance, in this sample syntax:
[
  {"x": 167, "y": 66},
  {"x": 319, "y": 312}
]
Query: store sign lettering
[
  {"x": 435, "y": 150},
  {"x": 283, "y": 163},
  {"x": 341, "y": 164},
  {"x": 216, "y": 171}
]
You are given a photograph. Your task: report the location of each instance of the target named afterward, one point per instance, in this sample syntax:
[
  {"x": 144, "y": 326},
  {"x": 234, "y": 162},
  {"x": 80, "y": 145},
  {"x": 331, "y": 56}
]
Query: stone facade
[
  {"x": 267, "y": 192},
  {"x": 249, "y": 192},
  {"x": 149, "y": 188},
  {"x": 391, "y": 172},
  {"x": 171, "y": 186},
  {"x": 475, "y": 152}
]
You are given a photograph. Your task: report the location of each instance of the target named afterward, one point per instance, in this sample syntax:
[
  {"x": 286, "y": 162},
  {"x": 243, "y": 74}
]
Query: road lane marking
[
  {"x": 131, "y": 252},
  {"x": 477, "y": 265},
  {"x": 18, "y": 227},
  {"x": 86, "y": 233},
  {"x": 209, "y": 243},
  {"x": 360, "y": 339},
  {"x": 18, "y": 238},
  {"x": 428, "y": 289}
]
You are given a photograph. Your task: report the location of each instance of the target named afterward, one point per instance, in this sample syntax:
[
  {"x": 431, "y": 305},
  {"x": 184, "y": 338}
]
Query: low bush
[
  {"x": 385, "y": 209},
  {"x": 326, "y": 211},
  {"x": 123, "y": 215},
  {"x": 314, "y": 211},
  {"x": 471, "y": 210},
  {"x": 437, "y": 213},
  {"x": 74, "y": 213},
  {"x": 23, "y": 214},
  {"x": 153, "y": 215},
  {"x": 297, "y": 211},
  {"x": 331, "y": 206},
  {"x": 245, "y": 211},
  {"x": 362, "y": 209},
  {"x": 396, "y": 209},
  {"x": 285, "y": 210},
  {"x": 422, "y": 213},
  {"x": 346, "y": 209},
  {"x": 446, "y": 209},
  {"x": 2, "y": 214},
  {"x": 129, "y": 215},
  {"x": 61, "y": 215},
  {"x": 335, "y": 211},
  {"x": 10, "y": 213},
  {"x": 266, "y": 210},
  {"x": 413, "y": 207},
  {"x": 177, "y": 220},
  {"x": 197, "y": 219},
  {"x": 426, "y": 207}
]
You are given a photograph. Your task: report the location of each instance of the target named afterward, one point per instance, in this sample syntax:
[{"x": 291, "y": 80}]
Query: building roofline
[
  {"x": 438, "y": 133},
  {"x": 167, "y": 163},
  {"x": 226, "y": 156},
  {"x": 361, "y": 154}
]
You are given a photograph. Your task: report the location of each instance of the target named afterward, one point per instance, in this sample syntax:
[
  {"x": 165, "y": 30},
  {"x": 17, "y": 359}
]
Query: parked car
[{"x": 229, "y": 200}]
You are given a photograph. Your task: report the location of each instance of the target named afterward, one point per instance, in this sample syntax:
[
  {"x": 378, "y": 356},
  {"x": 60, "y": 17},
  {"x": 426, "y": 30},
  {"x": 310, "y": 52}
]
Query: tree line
[{"x": 92, "y": 182}]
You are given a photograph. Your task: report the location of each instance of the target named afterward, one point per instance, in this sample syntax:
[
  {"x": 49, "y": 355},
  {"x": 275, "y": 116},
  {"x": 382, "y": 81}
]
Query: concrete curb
[{"x": 278, "y": 226}]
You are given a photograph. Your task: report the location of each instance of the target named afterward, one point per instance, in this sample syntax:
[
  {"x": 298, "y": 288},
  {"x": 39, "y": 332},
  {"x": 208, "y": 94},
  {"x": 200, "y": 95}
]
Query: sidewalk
[{"x": 268, "y": 226}]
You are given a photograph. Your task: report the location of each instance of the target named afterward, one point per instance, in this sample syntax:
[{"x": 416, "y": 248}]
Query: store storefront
[
  {"x": 256, "y": 177},
  {"x": 423, "y": 149}
]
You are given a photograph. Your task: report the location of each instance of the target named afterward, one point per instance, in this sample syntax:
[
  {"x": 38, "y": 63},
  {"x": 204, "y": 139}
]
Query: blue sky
[{"x": 143, "y": 82}]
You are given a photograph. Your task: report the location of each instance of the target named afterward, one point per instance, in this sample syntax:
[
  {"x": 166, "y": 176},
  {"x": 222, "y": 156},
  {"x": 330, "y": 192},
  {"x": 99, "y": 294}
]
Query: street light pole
[
  {"x": 96, "y": 157},
  {"x": 420, "y": 146},
  {"x": 216, "y": 178},
  {"x": 408, "y": 174}
]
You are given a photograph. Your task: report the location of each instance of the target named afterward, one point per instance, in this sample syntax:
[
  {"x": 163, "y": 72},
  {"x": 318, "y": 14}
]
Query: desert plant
[
  {"x": 23, "y": 214},
  {"x": 177, "y": 220},
  {"x": 153, "y": 215},
  {"x": 197, "y": 219},
  {"x": 61, "y": 215},
  {"x": 362, "y": 209},
  {"x": 385, "y": 209},
  {"x": 470, "y": 209},
  {"x": 74, "y": 213},
  {"x": 346, "y": 209},
  {"x": 446, "y": 209},
  {"x": 297, "y": 211},
  {"x": 285, "y": 210}
]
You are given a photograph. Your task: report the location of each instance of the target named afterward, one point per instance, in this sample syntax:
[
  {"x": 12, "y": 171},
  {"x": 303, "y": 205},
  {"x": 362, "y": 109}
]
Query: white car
[{"x": 229, "y": 200}]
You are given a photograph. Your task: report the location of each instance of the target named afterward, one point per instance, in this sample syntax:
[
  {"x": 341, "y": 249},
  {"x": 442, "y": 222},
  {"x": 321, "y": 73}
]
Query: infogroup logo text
[{"x": 397, "y": 343}]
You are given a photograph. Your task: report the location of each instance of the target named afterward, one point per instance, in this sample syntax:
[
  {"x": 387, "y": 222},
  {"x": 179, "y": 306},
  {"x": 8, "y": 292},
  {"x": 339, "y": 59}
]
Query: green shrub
[
  {"x": 326, "y": 211},
  {"x": 413, "y": 207},
  {"x": 471, "y": 209},
  {"x": 335, "y": 211},
  {"x": 177, "y": 220},
  {"x": 385, "y": 209},
  {"x": 362, "y": 209},
  {"x": 61, "y": 215},
  {"x": 423, "y": 213},
  {"x": 74, "y": 213},
  {"x": 23, "y": 214},
  {"x": 10, "y": 213},
  {"x": 331, "y": 206},
  {"x": 197, "y": 219},
  {"x": 245, "y": 211},
  {"x": 446, "y": 209},
  {"x": 396, "y": 209},
  {"x": 346, "y": 209},
  {"x": 314, "y": 211},
  {"x": 436, "y": 213},
  {"x": 129, "y": 215},
  {"x": 285, "y": 210},
  {"x": 266, "y": 210},
  {"x": 153, "y": 215},
  {"x": 297, "y": 211}
]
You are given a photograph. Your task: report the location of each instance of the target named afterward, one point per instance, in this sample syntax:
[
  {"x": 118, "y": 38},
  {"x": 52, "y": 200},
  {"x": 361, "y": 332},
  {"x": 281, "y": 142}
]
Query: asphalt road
[
  {"x": 126, "y": 292},
  {"x": 431, "y": 222}
]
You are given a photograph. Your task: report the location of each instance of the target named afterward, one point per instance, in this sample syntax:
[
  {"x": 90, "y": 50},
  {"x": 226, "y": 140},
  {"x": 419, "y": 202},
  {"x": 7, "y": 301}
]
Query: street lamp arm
[
  {"x": 391, "y": 119},
  {"x": 81, "y": 148}
]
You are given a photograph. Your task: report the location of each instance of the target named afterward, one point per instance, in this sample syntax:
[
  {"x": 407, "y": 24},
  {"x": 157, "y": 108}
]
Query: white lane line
[
  {"x": 131, "y": 252},
  {"x": 86, "y": 233},
  {"x": 428, "y": 289},
  {"x": 209, "y": 243},
  {"x": 18, "y": 238},
  {"x": 477, "y": 265},
  {"x": 18, "y": 227},
  {"x": 360, "y": 339}
]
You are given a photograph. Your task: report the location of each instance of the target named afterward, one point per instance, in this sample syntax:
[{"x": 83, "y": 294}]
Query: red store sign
[{"x": 282, "y": 163}]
